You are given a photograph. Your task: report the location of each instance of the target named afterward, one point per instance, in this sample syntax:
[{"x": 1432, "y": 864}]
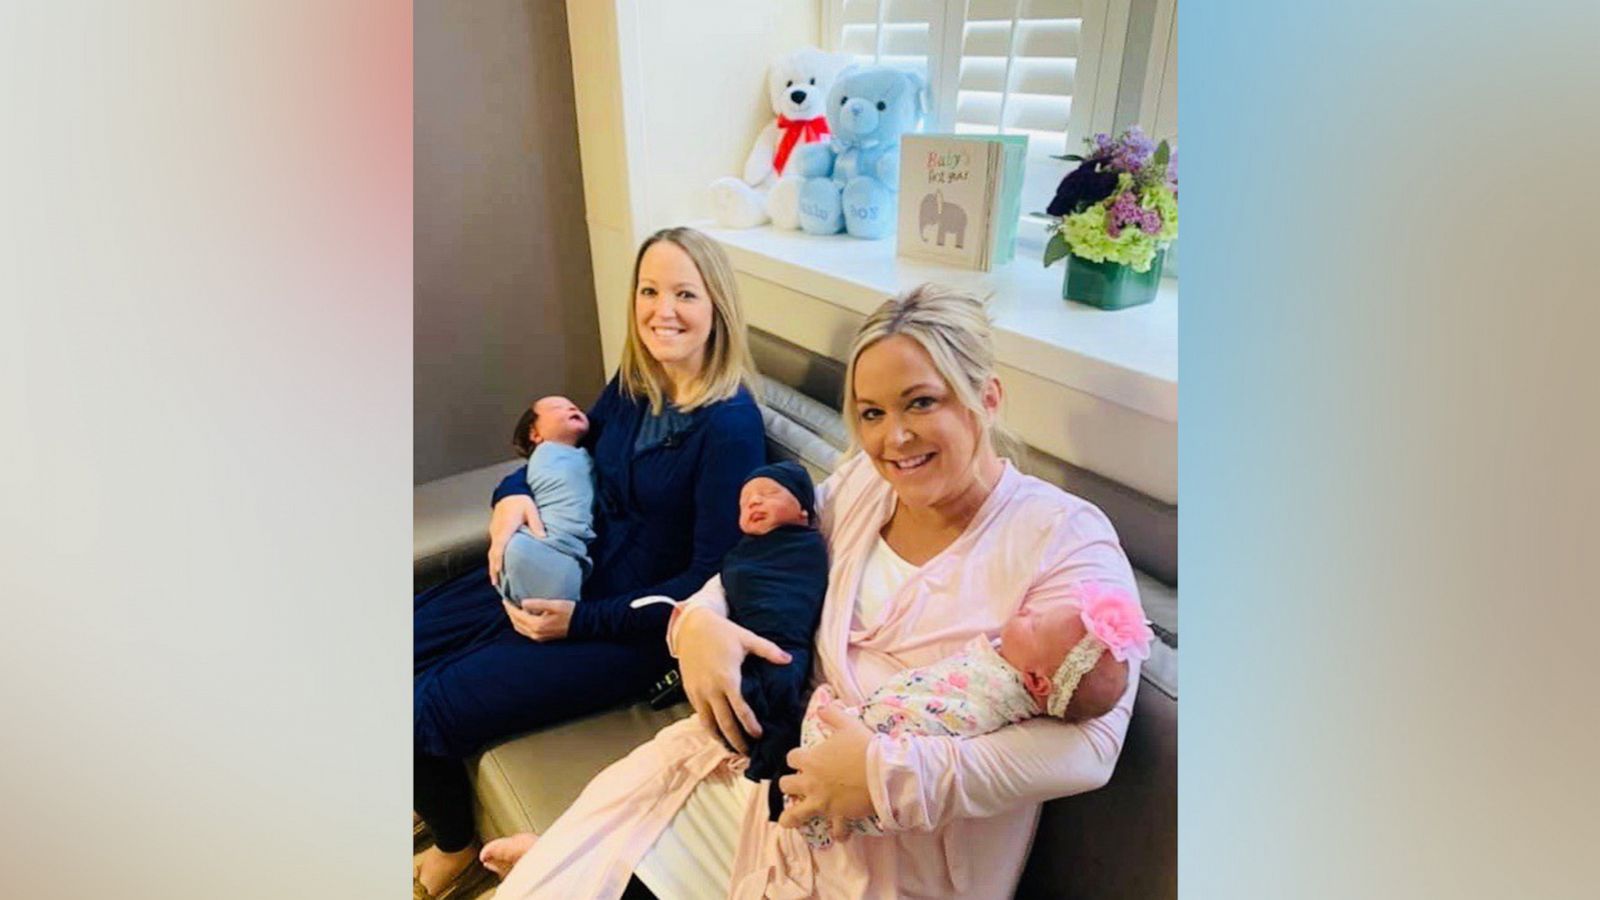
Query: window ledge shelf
[{"x": 1128, "y": 357}]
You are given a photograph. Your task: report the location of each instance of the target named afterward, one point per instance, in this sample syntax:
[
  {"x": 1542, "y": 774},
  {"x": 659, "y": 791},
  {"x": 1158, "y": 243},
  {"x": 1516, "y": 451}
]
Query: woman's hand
[
  {"x": 535, "y": 524},
  {"x": 508, "y": 515},
  {"x": 710, "y": 651},
  {"x": 541, "y": 620},
  {"x": 830, "y": 779}
]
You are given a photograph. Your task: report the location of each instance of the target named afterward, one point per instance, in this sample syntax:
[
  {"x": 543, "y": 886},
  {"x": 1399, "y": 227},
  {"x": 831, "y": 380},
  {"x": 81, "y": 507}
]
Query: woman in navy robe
[{"x": 673, "y": 436}]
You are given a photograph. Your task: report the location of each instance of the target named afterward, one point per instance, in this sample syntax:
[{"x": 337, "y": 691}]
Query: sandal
[{"x": 467, "y": 883}]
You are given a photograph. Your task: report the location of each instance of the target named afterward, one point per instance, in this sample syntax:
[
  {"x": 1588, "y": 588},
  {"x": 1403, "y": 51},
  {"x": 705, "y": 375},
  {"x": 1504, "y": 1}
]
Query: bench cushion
[
  {"x": 523, "y": 784},
  {"x": 449, "y": 523}
]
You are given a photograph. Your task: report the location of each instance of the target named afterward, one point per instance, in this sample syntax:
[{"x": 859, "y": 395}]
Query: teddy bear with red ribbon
[{"x": 797, "y": 86}]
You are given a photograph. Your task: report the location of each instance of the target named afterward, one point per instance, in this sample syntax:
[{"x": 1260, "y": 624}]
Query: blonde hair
[
  {"x": 954, "y": 329},
  {"x": 727, "y": 354}
]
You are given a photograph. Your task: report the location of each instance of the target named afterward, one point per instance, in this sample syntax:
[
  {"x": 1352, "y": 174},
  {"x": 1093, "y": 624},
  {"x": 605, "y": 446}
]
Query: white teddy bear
[{"x": 797, "y": 85}]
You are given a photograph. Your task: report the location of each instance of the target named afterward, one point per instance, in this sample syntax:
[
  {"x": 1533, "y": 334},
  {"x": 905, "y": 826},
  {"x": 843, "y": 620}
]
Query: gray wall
[{"x": 504, "y": 297}]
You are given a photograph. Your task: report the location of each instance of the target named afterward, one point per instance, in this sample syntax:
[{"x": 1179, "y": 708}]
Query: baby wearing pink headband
[{"x": 1069, "y": 661}]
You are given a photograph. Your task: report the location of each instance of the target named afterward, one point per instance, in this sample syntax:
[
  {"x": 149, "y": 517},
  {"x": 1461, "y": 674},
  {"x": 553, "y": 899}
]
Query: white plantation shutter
[
  {"x": 999, "y": 67},
  {"x": 898, "y": 33},
  {"x": 1019, "y": 60},
  {"x": 1023, "y": 71}
]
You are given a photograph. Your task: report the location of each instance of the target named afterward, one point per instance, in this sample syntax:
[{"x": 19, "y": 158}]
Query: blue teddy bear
[{"x": 850, "y": 183}]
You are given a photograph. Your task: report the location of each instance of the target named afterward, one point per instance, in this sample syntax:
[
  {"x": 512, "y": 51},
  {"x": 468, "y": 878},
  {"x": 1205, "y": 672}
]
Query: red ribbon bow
[{"x": 797, "y": 131}]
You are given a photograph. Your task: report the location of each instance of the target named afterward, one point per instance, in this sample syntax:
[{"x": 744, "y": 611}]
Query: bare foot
[
  {"x": 500, "y": 855},
  {"x": 436, "y": 868}
]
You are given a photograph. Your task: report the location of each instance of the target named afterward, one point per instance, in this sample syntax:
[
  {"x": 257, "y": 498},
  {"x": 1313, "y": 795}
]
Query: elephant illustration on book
[{"x": 947, "y": 217}]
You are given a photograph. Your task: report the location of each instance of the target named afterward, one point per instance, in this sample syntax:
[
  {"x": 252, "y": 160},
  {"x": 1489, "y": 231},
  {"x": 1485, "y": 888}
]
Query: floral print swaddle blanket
[{"x": 971, "y": 693}]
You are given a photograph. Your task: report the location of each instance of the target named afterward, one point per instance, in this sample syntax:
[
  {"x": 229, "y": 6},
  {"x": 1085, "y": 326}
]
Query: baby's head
[
  {"x": 555, "y": 419},
  {"x": 776, "y": 495},
  {"x": 1100, "y": 630}
]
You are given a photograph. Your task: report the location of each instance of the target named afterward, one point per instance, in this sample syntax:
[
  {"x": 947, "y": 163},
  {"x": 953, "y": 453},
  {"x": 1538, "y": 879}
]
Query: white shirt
[{"x": 881, "y": 578}]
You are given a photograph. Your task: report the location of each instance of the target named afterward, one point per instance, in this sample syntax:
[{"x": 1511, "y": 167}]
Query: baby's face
[
  {"x": 765, "y": 504},
  {"x": 558, "y": 419},
  {"x": 1037, "y": 641}
]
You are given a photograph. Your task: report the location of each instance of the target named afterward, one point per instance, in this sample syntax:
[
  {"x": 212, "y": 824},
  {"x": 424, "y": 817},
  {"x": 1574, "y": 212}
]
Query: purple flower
[
  {"x": 1128, "y": 153},
  {"x": 1135, "y": 140},
  {"x": 1097, "y": 177},
  {"x": 1125, "y": 210}
]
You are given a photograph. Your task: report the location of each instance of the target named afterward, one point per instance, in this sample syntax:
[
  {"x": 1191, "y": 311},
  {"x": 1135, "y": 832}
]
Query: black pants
[
  {"x": 637, "y": 891},
  {"x": 442, "y": 796}
]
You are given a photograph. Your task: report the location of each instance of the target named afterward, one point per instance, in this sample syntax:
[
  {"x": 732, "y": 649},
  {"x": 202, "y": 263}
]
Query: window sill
[{"x": 1128, "y": 357}]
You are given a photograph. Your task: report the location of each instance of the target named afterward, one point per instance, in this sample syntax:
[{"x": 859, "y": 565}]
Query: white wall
[
  {"x": 699, "y": 72},
  {"x": 670, "y": 95}
]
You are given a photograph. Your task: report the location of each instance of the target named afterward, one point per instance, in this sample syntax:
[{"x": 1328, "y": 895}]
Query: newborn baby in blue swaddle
[{"x": 552, "y": 565}]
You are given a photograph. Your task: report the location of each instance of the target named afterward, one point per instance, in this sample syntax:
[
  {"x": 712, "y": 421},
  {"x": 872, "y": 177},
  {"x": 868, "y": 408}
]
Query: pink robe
[{"x": 960, "y": 812}]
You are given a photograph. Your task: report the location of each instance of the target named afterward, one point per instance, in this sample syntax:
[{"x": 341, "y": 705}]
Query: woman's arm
[
  {"x": 711, "y": 651},
  {"x": 515, "y": 484},
  {"x": 735, "y": 445},
  {"x": 711, "y": 598},
  {"x": 512, "y": 507},
  {"x": 922, "y": 782}
]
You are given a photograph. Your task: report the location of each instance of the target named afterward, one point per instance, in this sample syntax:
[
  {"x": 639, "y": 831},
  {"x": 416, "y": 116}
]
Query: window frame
[
  {"x": 1159, "y": 99},
  {"x": 1102, "y": 44}
]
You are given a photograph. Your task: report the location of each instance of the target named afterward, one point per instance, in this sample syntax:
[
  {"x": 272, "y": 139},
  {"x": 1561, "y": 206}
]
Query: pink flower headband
[{"x": 1113, "y": 621}]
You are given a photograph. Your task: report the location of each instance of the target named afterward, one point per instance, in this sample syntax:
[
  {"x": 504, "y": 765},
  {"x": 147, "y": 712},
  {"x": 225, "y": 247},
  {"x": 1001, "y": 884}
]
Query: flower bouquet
[{"x": 1119, "y": 212}]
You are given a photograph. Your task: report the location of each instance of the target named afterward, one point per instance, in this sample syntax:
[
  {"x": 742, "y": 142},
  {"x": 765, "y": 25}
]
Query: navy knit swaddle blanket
[{"x": 774, "y": 584}]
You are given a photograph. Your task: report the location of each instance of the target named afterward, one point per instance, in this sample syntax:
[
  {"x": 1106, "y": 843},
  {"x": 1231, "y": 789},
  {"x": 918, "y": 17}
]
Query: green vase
[{"x": 1109, "y": 285}]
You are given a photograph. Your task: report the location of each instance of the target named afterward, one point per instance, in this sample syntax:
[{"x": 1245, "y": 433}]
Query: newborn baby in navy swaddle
[{"x": 774, "y": 580}]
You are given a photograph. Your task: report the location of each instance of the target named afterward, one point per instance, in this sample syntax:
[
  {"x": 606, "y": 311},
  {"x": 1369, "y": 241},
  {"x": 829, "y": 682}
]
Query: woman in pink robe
[{"x": 958, "y": 813}]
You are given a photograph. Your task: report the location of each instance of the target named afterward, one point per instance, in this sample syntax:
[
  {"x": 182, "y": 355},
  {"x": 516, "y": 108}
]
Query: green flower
[
  {"x": 1161, "y": 199},
  {"x": 1085, "y": 233},
  {"x": 1086, "y": 236}
]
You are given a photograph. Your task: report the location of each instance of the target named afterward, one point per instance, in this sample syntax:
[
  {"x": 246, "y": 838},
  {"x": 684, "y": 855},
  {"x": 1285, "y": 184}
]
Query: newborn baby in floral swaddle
[{"x": 1049, "y": 662}]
